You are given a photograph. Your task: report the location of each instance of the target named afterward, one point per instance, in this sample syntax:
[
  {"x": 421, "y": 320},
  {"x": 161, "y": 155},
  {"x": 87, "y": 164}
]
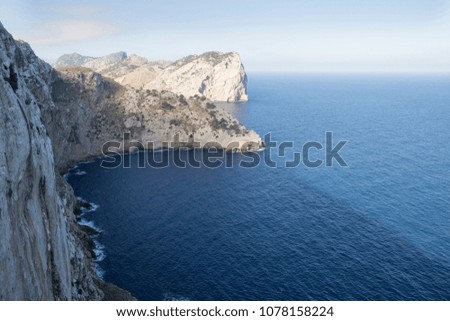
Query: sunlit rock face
[
  {"x": 214, "y": 75},
  {"x": 41, "y": 253}
]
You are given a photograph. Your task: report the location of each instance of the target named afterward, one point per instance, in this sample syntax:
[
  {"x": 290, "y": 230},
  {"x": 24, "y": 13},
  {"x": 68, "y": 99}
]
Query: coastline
[
  {"x": 83, "y": 208},
  {"x": 88, "y": 233},
  {"x": 60, "y": 118},
  {"x": 73, "y": 164}
]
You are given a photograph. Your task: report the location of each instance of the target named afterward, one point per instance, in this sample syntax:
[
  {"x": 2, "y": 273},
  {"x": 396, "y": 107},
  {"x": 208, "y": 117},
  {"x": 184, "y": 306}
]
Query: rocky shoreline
[{"x": 88, "y": 234}]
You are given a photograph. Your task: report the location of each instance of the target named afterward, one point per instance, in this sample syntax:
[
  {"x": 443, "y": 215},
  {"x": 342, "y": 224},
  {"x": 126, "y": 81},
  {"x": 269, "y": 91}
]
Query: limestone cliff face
[
  {"x": 214, "y": 75},
  {"x": 41, "y": 255},
  {"x": 50, "y": 119},
  {"x": 217, "y": 76}
]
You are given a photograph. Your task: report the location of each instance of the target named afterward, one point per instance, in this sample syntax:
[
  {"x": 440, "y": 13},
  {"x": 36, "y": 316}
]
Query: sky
[{"x": 271, "y": 36}]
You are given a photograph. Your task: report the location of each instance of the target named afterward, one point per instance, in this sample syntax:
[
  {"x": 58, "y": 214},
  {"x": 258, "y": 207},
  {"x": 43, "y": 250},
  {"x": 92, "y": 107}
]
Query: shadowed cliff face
[
  {"x": 41, "y": 257},
  {"x": 92, "y": 110}
]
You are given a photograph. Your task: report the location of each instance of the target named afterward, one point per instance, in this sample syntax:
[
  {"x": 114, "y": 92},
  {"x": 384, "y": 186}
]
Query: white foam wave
[
  {"x": 93, "y": 205},
  {"x": 99, "y": 271},
  {"x": 99, "y": 251},
  {"x": 90, "y": 224}
]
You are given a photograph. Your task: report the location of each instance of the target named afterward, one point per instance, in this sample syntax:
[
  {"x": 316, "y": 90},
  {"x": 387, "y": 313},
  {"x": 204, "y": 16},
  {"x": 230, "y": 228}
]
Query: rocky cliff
[
  {"x": 93, "y": 110},
  {"x": 50, "y": 119},
  {"x": 41, "y": 252},
  {"x": 214, "y": 75}
]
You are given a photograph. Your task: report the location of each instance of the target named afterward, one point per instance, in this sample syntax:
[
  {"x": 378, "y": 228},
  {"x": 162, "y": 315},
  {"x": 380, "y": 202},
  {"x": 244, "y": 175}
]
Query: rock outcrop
[
  {"x": 50, "y": 119},
  {"x": 214, "y": 75}
]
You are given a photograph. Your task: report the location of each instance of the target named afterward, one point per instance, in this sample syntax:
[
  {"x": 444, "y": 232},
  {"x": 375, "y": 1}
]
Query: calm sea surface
[{"x": 378, "y": 229}]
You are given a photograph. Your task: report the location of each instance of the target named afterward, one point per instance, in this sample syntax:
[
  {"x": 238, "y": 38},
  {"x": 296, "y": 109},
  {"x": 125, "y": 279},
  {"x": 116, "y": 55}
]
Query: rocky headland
[
  {"x": 213, "y": 75},
  {"x": 52, "y": 118}
]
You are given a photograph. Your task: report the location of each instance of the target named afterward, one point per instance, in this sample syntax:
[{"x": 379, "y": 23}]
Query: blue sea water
[{"x": 378, "y": 229}]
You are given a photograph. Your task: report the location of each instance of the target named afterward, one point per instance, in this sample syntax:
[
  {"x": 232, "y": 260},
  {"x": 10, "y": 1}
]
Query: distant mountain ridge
[
  {"x": 73, "y": 59},
  {"x": 215, "y": 75}
]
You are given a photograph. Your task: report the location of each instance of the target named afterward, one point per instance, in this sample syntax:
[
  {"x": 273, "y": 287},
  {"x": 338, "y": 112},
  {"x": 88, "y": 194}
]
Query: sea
[{"x": 374, "y": 228}]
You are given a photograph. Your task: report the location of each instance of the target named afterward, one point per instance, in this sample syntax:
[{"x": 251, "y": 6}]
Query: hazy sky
[{"x": 280, "y": 35}]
